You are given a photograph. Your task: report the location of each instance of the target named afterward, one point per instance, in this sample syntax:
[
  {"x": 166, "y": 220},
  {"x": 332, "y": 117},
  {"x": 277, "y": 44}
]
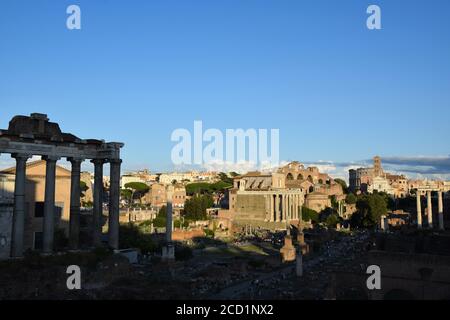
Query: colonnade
[
  {"x": 17, "y": 239},
  {"x": 429, "y": 209},
  {"x": 281, "y": 207}
]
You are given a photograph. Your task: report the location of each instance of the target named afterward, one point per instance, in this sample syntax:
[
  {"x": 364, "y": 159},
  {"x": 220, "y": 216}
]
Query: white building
[{"x": 380, "y": 184}]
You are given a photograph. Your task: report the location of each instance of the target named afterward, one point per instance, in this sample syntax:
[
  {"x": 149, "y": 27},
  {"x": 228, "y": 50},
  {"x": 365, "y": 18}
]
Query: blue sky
[{"x": 137, "y": 70}]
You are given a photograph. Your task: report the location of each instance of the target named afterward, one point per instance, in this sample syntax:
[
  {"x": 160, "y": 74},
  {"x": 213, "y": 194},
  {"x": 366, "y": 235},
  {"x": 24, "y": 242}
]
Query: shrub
[{"x": 132, "y": 237}]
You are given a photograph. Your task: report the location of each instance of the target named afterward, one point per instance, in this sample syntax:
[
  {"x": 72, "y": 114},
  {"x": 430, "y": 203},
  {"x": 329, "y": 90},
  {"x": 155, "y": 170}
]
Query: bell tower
[{"x": 377, "y": 169}]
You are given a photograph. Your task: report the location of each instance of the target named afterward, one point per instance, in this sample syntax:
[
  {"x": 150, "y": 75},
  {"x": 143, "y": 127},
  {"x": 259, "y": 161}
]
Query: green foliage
[
  {"x": 207, "y": 188},
  {"x": 126, "y": 194},
  {"x": 138, "y": 190},
  {"x": 132, "y": 237},
  {"x": 309, "y": 214},
  {"x": 195, "y": 208},
  {"x": 342, "y": 183},
  {"x": 160, "y": 219},
  {"x": 351, "y": 198},
  {"x": 332, "y": 220},
  {"x": 225, "y": 178},
  {"x": 87, "y": 204},
  {"x": 334, "y": 203},
  {"x": 83, "y": 189},
  {"x": 209, "y": 233},
  {"x": 370, "y": 208}
]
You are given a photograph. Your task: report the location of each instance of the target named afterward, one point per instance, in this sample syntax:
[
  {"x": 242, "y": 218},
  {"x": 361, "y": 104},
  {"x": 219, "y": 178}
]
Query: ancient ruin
[{"x": 37, "y": 136}]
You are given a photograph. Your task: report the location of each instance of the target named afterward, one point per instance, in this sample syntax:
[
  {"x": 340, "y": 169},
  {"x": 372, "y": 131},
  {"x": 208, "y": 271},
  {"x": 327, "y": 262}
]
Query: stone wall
[{"x": 250, "y": 207}]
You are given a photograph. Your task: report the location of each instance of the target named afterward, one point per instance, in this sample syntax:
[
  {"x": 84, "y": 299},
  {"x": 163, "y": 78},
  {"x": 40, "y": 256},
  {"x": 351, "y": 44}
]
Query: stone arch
[
  {"x": 320, "y": 181},
  {"x": 310, "y": 179},
  {"x": 398, "y": 294},
  {"x": 311, "y": 189},
  {"x": 300, "y": 176},
  {"x": 289, "y": 176}
]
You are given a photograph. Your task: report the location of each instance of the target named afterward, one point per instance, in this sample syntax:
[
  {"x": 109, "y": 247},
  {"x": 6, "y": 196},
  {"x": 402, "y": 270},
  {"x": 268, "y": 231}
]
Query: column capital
[
  {"x": 21, "y": 156},
  {"x": 51, "y": 158},
  {"x": 98, "y": 161},
  {"x": 115, "y": 161},
  {"x": 75, "y": 160}
]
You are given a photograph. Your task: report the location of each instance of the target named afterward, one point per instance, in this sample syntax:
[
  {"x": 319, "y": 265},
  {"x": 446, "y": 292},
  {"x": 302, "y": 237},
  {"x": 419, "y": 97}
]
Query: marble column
[
  {"x": 430, "y": 210},
  {"x": 440, "y": 211},
  {"x": 49, "y": 204},
  {"x": 97, "y": 214},
  {"x": 419, "y": 210},
  {"x": 114, "y": 195},
  {"x": 75, "y": 193},
  {"x": 17, "y": 236}
]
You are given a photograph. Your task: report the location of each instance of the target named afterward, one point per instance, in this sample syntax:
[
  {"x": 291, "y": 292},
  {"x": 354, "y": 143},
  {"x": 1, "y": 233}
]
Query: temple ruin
[{"x": 35, "y": 135}]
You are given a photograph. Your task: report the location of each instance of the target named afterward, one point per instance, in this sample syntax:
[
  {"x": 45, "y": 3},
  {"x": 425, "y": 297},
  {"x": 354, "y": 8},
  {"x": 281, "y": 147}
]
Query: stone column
[
  {"x": 277, "y": 207},
  {"x": 440, "y": 211},
  {"x": 272, "y": 207},
  {"x": 49, "y": 204},
  {"x": 430, "y": 210},
  {"x": 75, "y": 193},
  {"x": 291, "y": 207},
  {"x": 169, "y": 213},
  {"x": 114, "y": 195},
  {"x": 419, "y": 210},
  {"x": 19, "y": 206},
  {"x": 97, "y": 214}
]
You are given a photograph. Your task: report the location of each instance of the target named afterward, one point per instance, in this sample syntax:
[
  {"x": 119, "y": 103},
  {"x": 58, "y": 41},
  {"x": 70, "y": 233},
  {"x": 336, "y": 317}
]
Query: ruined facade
[{"x": 35, "y": 135}]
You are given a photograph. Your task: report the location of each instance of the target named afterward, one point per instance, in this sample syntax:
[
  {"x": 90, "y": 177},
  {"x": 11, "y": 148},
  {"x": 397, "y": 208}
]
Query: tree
[
  {"x": 195, "y": 208},
  {"x": 126, "y": 194},
  {"x": 160, "y": 219},
  {"x": 309, "y": 214},
  {"x": 370, "y": 208},
  {"x": 207, "y": 188},
  {"x": 351, "y": 198},
  {"x": 138, "y": 190},
  {"x": 225, "y": 178},
  {"x": 342, "y": 183},
  {"x": 83, "y": 189}
]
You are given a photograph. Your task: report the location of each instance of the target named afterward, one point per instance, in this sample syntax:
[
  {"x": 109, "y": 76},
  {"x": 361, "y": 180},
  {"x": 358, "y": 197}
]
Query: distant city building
[
  {"x": 157, "y": 196},
  {"x": 143, "y": 176},
  {"x": 318, "y": 187},
  {"x": 376, "y": 179},
  {"x": 263, "y": 200},
  {"x": 192, "y": 176}
]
